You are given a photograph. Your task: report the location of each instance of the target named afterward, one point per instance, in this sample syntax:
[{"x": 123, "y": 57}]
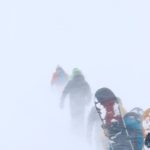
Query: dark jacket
[{"x": 78, "y": 90}]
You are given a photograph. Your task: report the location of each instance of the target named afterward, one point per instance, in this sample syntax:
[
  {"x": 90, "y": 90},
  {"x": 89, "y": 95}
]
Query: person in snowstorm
[
  {"x": 109, "y": 110},
  {"x": 79, "y": 95},
  {"x": 59, "y": 78},
  {"x": 133, "y": 122},
  {"x": 146, "y": 128},
  {"x": 95, "y": 134}
]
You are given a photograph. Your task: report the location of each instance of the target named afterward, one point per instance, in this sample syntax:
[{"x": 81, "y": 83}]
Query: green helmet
[{"x": 75, "y": 72}]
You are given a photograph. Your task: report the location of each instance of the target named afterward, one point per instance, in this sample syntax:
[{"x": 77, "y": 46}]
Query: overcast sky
[{"x": 107, "y": 39}]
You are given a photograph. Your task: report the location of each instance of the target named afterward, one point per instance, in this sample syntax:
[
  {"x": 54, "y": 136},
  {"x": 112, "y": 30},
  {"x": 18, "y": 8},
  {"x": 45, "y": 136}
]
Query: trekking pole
[{"x": 125, "y": 127}]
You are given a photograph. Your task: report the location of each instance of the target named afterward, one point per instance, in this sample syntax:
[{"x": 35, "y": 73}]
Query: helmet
[
  {"x": 146, "y": 114},
  {"x": 58, "y": 69},
  {"x": 138, "y": 111},
  {"x": 132, "y": 115},
  {"x": 75, "y": 72},
  {"x": 105, "y": 94}
]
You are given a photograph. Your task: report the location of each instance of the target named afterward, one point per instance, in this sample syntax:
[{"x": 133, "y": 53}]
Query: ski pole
[{"x": 125, "y": 128}]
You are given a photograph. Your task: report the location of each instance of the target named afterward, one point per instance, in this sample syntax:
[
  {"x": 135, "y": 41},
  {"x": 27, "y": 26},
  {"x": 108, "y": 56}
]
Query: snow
[{"x": 108, "y": 40}]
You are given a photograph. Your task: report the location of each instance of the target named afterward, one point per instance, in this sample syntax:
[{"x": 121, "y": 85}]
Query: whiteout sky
[{"x": 108, "y": 40}]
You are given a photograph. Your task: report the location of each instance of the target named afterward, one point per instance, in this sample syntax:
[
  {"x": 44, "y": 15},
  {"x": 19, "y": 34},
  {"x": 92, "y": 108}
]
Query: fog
[{"x": 108, "y": 40}]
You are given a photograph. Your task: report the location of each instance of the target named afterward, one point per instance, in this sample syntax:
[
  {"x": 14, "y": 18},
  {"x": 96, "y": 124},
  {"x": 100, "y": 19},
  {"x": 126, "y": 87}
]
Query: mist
[{"x": 108, "y": 40}]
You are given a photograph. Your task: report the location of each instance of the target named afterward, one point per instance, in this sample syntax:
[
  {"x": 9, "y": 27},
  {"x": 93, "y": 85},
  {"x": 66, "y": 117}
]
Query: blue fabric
[{"x": 134, "y": 128}]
